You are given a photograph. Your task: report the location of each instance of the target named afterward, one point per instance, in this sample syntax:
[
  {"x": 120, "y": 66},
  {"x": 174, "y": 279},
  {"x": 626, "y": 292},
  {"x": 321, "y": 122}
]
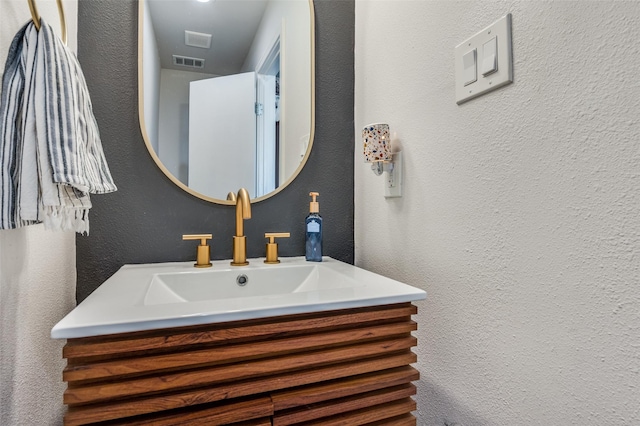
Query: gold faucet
[{"x": 243, "y": 211}]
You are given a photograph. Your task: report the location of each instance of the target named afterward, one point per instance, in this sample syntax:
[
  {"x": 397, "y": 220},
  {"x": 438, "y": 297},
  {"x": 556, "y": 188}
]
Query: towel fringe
[{"x": 58, "y": 218}]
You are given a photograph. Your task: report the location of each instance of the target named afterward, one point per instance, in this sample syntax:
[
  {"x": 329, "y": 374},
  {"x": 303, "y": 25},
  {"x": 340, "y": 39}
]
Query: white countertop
[{"x": 122, "y": 303}]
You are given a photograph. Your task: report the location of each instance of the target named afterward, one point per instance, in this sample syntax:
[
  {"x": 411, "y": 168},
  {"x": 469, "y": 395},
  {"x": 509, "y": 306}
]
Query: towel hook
[{"x": 36, "y": 18}]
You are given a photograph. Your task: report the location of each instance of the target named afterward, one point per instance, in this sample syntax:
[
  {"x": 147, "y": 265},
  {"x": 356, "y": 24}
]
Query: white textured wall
[
  {"x": 151, "y": 77},
  {"x": 173, "y": 135},
  {"x": 521, "y": 210},
  {"x": 289, "y": 19},
  {"x": 37, "y": 281}
]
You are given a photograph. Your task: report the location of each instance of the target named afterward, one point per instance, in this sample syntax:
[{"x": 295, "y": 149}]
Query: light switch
[
  {"x": 490, "y": 57},
  {"x": 483, "y": 62},
  {"x": 469, "y": 64}
]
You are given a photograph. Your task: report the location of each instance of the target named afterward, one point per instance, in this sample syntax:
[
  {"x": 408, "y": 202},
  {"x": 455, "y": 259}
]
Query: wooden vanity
[{"x": 341, "y": 367}]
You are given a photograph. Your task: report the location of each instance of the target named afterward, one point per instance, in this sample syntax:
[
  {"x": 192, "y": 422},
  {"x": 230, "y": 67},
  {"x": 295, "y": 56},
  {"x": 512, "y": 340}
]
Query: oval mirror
[{"x": 226, "y": 92}]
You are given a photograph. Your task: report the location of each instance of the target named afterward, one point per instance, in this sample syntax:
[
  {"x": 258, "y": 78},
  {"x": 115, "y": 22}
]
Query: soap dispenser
[{"x": 313, "y": 225}]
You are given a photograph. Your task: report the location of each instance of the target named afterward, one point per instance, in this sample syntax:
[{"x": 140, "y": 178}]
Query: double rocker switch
[
  {"x": 489, "y": 61},
  {"x": 203, "y": 257}
]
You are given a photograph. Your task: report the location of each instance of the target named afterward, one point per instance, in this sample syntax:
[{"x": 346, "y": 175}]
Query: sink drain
[{"x": 242, "y": 280}]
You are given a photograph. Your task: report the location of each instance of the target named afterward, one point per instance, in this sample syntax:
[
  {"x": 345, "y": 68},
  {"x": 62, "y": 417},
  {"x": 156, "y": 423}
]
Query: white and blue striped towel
[{"x": 51, "y": 155}]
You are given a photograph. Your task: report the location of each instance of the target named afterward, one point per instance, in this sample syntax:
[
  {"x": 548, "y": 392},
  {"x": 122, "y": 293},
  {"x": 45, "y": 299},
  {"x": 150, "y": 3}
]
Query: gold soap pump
[{"x": 313, "y": 231}]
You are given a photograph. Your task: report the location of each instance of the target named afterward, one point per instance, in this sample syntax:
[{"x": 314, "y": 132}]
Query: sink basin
[
  {"x": 165, "y": 295},
  {"x": 233, "y": 283}
]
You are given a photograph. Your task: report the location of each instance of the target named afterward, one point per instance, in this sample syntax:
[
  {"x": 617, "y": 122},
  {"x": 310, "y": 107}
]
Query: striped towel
[{"x": 51, "y": 155}]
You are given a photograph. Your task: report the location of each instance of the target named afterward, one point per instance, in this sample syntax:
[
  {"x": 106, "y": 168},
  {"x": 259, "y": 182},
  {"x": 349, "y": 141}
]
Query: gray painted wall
[{"x": 144, "y": 220}]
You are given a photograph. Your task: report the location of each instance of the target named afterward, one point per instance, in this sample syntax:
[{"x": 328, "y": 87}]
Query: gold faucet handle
[
  {"x": 272, "y": 235},
  {"x": 203, "y": 255},
  {"x": 202, "y": 237},
  {"x": 272, "y": 247}
]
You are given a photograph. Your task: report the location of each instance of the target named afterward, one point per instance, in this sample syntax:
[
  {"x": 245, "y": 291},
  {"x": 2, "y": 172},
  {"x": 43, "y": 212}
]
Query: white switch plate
[{"x": 503, "y": 76}]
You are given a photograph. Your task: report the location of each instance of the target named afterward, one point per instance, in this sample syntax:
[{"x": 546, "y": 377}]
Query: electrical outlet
[{"x": 393, "y": 184}]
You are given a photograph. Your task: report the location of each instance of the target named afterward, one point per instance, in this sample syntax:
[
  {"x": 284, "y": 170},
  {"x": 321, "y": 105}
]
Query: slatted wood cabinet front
[{"x": 349, "y": 367}]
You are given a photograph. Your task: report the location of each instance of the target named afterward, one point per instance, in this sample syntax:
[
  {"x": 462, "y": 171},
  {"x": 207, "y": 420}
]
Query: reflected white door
[
  {"x": 266, "y": 134},
  {"x": 222, "y": 135}
]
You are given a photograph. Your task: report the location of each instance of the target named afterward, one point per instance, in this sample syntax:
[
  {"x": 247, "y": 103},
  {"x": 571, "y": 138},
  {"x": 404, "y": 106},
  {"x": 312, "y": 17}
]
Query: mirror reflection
[{"x": 227, "y": 92}]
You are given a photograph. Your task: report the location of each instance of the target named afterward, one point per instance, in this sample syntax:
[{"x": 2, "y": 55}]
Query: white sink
[
  {"x": 164, "y": 295},
  {"x": 233, "y": 283}
]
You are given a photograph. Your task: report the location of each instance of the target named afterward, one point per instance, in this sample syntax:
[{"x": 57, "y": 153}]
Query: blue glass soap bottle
[{"x": 313, "y": 226}]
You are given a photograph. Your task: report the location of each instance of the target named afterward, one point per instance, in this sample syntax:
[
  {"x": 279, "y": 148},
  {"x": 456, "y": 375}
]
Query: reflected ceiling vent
[
  {"x": 192, "y": 38},
  {"x": 185, "y": 61}
]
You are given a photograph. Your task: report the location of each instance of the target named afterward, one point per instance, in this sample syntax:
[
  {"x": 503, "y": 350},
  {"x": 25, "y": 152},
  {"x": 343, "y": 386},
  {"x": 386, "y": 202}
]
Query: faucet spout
[{"x": 243, "y": 211}]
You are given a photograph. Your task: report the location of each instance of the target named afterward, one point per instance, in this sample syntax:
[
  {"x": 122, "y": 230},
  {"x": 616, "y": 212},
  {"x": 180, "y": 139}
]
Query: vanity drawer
[{"x": 289, "y": 369}]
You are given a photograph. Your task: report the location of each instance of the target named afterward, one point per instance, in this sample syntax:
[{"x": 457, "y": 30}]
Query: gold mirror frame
[{"x": 157, "y": 160}]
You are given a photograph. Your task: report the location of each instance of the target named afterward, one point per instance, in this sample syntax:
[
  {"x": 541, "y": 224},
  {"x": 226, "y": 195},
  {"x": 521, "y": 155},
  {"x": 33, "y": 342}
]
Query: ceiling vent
[
  {"x": 192, "y": 38},
  {"x": 185, "y": 61}
]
